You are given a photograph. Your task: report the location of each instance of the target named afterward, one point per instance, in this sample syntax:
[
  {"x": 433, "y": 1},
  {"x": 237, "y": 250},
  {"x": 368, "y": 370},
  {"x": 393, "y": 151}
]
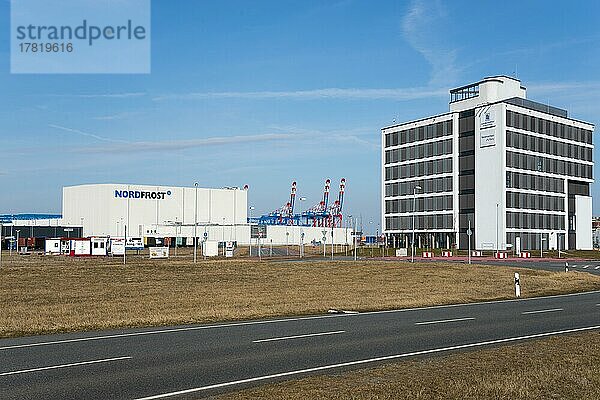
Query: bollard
[
  {"x": 517, "y": 285},
  {"x": 566, "y": 267}
]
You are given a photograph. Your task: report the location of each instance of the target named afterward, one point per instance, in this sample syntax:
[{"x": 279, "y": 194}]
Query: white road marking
[
  {"x": 443, "y": 321},
  {"x": 298, "y": 336},
  {"x": 597, "y": 267},
  {"x": 359, "y": 362},
  {"x": 63, "y": 366},
  {"x": 585, "y": 266},
  {"x": 273, "y": 321},
  {"x": 542, "y": 311},
  {"x": 573, "y": 266}
]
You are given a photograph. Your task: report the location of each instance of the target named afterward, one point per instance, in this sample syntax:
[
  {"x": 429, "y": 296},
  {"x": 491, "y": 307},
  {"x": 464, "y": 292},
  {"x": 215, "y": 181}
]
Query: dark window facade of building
[
  {"x": 439, "y": 129},
  {"x": 522, "y": 220},
  {"x": 534, "y": 201},
  {"x": 425, "y": 150},
  {"x": 518, "y": 180},
  {"x": 466, "y": 176},
  {"x": 546, "y": 127},
  {"x": 431, "y": 167},
  {"x": 533, "y": 241},
  {"x": 435, "y": 203},
  {"x": 434, "y": 185},
  {"x": 437, "y": 221},
  {"x": 548, "y": 146},
  {"x": 547, "y": 165}
]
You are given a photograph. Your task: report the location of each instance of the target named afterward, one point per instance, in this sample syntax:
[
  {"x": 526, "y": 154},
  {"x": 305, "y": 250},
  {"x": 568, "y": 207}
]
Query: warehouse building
[
  {"x": 152, "y": 212},
  {"x": 516, "y": 171}
]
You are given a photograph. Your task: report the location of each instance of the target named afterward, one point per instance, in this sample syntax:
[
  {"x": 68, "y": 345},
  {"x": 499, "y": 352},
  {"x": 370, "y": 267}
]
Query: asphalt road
[
  {"x": 590, "y": 266},
  {"x": 201, "y": 360},
  {"x": 549, "y": 264}
]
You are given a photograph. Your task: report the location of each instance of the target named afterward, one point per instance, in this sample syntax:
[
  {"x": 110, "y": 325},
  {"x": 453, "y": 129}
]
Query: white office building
[{"x": 519, "y": 172}]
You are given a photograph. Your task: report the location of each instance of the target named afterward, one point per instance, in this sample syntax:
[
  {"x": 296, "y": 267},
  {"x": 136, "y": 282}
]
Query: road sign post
[
  {"x": 259, "y": 236},
  {"x": 332, "y": 243}
]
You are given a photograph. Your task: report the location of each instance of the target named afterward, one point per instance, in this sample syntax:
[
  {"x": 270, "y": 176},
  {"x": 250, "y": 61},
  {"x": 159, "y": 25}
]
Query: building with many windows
[{"x": 515, "y": 171}]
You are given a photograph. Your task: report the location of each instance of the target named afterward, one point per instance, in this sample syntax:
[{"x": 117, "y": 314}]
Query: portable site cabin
[
  {"x": 99, "y": 246},
  {"x": 80, "y": 247},
  {"x": 52, "y": 246}
]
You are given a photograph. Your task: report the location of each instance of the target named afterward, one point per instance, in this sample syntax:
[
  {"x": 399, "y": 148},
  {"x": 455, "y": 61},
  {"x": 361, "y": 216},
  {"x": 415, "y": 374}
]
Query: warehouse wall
[{"x": 148, "y": 210}]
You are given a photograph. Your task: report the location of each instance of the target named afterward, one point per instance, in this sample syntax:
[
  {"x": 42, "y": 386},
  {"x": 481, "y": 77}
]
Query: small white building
[{"x": 52, "y": 246}]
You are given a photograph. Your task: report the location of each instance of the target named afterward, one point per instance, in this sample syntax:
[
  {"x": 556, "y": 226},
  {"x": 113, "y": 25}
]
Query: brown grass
[
  {"x": 56, "y": 294},
  {"x": 565, "y": 367}
]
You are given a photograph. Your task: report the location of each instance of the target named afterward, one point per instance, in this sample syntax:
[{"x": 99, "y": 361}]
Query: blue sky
[{"x": 268, "y": 92}]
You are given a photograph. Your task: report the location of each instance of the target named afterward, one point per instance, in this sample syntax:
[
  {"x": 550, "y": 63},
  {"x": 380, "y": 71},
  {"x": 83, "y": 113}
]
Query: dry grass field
[
  {"x": 565, "y": 367},
  {"x": 58, "y": 294}
]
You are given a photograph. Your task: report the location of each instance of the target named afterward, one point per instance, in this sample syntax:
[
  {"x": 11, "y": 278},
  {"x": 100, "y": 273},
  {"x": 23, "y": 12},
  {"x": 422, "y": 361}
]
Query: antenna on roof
[{"x": 515, "y": 72}]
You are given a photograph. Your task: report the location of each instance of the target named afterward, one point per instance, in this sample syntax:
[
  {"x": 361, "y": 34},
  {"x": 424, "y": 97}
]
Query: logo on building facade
[
  {"x": 487, "y": 119},
  {"x": 138, "y": 194}
]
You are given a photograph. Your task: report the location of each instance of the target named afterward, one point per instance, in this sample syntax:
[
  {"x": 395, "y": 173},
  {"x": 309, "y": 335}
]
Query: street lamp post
[
  {"x": 348, "y": 222},
  {"x": 412, "y": 259},
  {"x": 354, "y": 236},
  {"x": 1, "y": 230},
  {"x": 259, "y": 250},
  {"x": 497, "y": 244},
  {"x": 331, "y": 242},
  {"x": 371, "y": 231},
  {"x": 287, "y": 242},
  {"x": 250, "y": 225},
  {"x": 195, "y": 222},
  {"x": 125, "y": 250},
  {"x": 302, "y": 199},
  {"x": 223, "y": 236},
  {"x": 18, "y": 230}
]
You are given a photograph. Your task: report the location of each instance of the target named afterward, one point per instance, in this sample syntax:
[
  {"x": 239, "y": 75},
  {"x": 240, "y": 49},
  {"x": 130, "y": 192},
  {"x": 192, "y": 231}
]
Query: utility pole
[
  {"x": 332, "y": 243},
  {"x": 497, "y": 244},
  {"x": 469, "y": 233},
  {"x": 125, "y": 250},
  {"x": 412, "y": 259},
  {"x": 196, "y": 221},
  {"x": 250, "y": 225},
  {"x": 354, "y": 236}
]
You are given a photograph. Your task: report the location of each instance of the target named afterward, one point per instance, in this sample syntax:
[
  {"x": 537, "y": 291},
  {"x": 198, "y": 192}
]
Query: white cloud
[
  {"x": 175, "y": 145},
  {"x": 423, "y": 29},
  {"x": 123, "y": 95},
  {"x": 116, "y": 116},
  {"x": 553, "y": 87},
  {"x": 86, "y": 134},
  {"x": 315, "y": 94}
]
